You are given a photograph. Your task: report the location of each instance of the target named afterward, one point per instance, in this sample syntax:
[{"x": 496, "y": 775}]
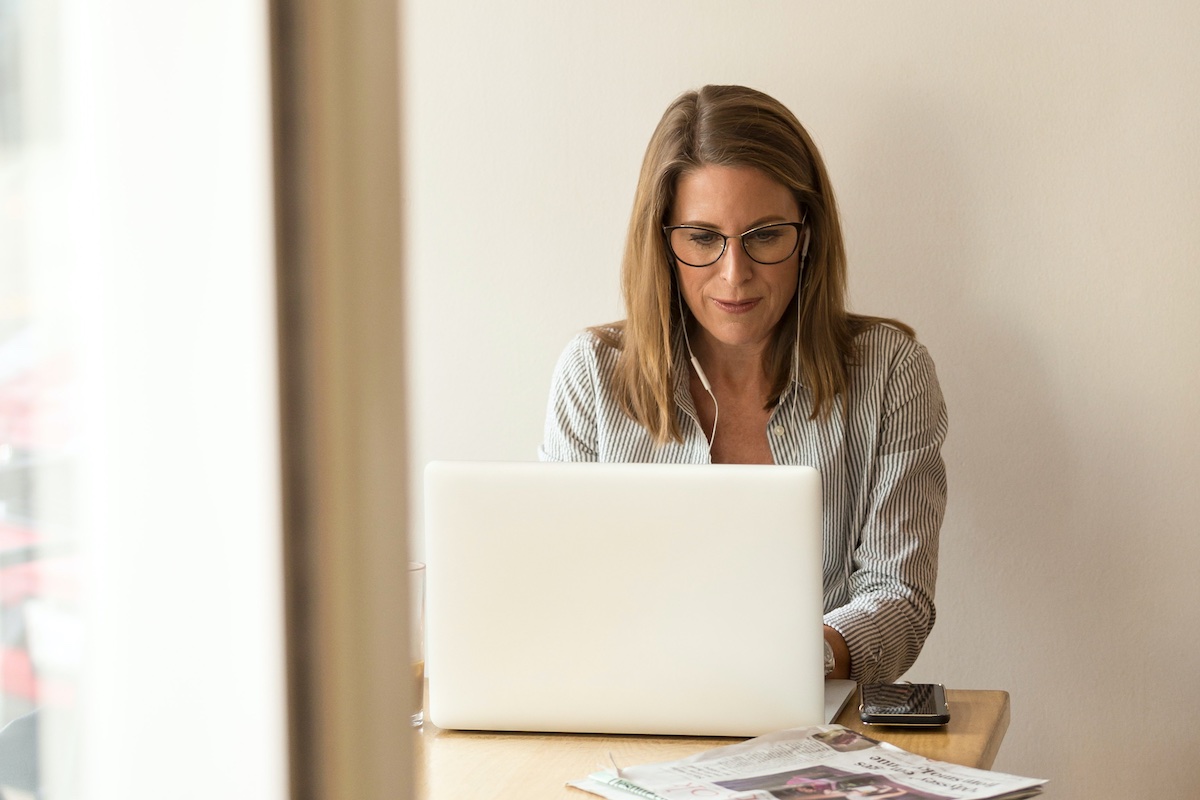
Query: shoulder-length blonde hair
[{"x": 731, "y": 126}]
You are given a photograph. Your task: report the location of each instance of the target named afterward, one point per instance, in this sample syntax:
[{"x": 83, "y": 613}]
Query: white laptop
[{"x": 625, "y": 598}]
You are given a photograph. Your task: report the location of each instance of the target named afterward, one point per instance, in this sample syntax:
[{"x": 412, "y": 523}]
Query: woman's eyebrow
[{"x": 767, "y": 220}]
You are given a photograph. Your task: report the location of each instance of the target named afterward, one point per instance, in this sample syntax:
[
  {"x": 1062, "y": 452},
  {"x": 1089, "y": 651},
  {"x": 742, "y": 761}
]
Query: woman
[{"x": 738, "y": 348}]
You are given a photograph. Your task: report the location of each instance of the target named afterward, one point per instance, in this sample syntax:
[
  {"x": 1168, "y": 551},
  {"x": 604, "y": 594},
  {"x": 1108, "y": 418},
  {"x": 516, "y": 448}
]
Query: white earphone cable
[
  {"x": 699, "y": 370},
  {"x": 696, "y": 362}
]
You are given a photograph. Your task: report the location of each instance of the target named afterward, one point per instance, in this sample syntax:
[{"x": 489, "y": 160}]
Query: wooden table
[{"x": 458, "y": 765}]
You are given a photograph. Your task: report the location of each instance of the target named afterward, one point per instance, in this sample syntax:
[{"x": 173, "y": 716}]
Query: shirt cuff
[{"x": 863, "y": 640}]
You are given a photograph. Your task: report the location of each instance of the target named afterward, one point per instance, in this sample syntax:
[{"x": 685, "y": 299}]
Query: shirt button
[{"x": 779, "y": 430}]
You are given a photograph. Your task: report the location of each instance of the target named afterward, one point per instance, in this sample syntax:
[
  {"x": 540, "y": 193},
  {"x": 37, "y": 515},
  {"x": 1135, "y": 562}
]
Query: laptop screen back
[{"x": 624, "y": 598}]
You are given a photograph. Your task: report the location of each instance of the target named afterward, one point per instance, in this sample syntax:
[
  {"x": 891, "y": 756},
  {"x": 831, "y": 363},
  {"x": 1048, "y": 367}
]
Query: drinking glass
[{"x": 416, "y": 622}]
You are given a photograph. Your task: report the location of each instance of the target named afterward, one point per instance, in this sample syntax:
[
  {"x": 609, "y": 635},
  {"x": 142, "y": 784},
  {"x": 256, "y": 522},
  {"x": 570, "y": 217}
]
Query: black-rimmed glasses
[{"x": 702, "y": 247}]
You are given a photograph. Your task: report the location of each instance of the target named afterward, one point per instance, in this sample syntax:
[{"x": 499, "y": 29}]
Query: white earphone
[
  {"x": 696, "y": 362},
  {"x": 696, "y": 365}
]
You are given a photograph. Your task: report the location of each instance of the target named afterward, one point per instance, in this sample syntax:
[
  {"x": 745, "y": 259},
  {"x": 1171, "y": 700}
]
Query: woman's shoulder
[
  {"x": 599, "y": 341},
  {"x": 885, "y": 343},
  {"x": 596, "y": 346},
  {"x": 891, "y": 371}
]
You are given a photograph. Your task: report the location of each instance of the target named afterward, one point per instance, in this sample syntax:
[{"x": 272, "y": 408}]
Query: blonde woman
[{"x": 737, "y": 348}]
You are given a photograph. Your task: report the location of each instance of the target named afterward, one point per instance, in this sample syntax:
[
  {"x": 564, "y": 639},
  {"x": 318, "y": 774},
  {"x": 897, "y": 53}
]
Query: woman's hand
[{"x": 841, "y": 654}]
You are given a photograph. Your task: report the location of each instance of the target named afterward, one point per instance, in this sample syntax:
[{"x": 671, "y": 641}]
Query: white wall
[{"x": 1019, "y": 180}]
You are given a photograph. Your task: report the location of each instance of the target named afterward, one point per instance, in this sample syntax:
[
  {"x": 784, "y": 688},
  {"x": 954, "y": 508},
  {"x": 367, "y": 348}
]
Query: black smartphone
[{"x": 916, "y": 704}]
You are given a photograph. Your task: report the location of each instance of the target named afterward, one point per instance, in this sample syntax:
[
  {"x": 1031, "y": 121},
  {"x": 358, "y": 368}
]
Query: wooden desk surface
[{"x": 457, "y": 765}]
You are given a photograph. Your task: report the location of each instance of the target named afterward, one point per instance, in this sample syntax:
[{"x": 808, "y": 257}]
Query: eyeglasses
[{"x": 701, "y": 247}]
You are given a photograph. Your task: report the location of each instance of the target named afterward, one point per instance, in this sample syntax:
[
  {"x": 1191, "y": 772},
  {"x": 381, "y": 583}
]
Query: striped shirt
[{"x": 882, "y": 475}]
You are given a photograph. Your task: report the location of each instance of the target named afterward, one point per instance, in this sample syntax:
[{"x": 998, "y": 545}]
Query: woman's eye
[
  {"x": 702, "y": 238},
  {"x": 763, "y": 237}
]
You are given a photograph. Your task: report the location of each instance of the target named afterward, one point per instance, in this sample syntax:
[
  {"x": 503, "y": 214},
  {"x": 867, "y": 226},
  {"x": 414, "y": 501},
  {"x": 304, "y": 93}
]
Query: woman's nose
[{"x": 736, "y": 267}]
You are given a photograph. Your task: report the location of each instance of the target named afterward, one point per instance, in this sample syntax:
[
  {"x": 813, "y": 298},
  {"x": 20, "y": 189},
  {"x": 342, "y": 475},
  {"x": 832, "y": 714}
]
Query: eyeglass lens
[{"x": 699, "y": 247}]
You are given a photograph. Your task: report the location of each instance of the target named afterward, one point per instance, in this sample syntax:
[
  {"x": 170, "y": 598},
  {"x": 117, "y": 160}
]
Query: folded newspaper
[{"x": 826, "y": 761}]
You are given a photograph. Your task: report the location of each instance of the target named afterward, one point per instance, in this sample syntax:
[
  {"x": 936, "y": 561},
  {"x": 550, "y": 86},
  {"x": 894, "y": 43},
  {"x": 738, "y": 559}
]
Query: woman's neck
[{"x": 740, "y": 369}]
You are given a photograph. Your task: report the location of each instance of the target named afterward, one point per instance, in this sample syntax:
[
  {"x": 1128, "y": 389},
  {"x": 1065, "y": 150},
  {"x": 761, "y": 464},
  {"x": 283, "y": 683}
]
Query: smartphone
[{"x": 915, "y": 704}]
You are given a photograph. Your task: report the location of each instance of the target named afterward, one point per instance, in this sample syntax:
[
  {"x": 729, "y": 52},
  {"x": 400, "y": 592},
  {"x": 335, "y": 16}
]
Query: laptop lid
[{"x": 624, "y": 598}]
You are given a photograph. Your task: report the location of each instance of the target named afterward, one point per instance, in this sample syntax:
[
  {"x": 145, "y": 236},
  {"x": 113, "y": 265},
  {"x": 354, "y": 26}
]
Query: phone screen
[{"x": 901, "y": 698}]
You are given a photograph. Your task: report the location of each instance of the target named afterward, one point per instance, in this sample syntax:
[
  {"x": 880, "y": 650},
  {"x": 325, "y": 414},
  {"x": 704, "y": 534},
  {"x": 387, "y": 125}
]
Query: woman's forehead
[{"x": 715, "y": 195}]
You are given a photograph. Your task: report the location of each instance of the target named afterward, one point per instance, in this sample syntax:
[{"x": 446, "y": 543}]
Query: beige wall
[{"x": 1019, "y": 180}]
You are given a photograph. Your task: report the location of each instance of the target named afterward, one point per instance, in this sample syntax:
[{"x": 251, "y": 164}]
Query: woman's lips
[{"x": 735, "y": 306}]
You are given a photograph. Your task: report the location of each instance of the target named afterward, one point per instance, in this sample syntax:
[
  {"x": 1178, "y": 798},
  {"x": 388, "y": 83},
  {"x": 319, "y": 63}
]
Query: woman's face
[{"x": 736, "y": 301}]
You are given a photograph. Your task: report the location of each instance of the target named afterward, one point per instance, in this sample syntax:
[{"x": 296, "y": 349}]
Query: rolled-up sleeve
[{"x": 895, "y": 551}]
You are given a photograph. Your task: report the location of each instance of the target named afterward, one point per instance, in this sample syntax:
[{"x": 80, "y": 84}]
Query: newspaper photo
[{"x": 825, "y": 762}]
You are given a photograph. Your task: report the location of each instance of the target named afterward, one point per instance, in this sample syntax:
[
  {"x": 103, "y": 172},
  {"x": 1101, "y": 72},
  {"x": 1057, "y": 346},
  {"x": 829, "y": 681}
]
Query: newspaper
[{"x": 819, "y": 763}]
